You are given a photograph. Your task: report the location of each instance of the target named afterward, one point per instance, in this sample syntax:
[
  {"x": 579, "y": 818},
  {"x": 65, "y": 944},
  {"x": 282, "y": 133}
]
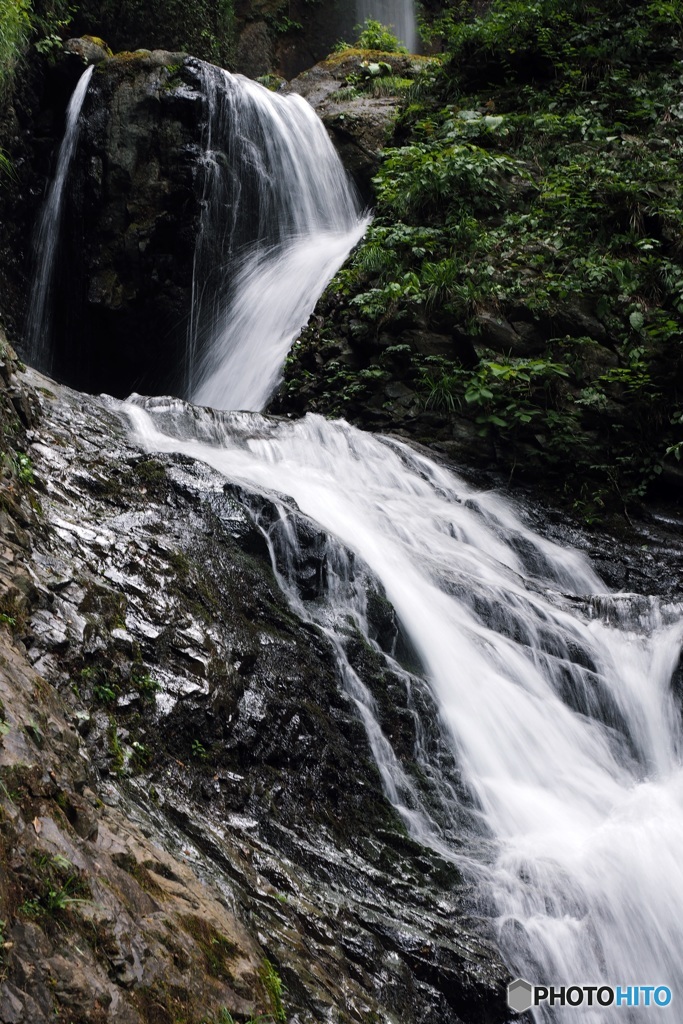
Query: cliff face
[
  {"x": 124, "y": 281},
  {"x": 187, "y": 795},
  {"x": 101, "y": 920},
  {"x": 103, "y": 917}
]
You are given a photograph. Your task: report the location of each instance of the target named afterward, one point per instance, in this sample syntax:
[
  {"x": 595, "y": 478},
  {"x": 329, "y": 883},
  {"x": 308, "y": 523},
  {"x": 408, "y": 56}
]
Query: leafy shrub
[
  {"x": 51, "y": 23},
  {"x": 14, "y": 31},
  {"x": 374, "y": 36},
  {"x": 576, "y": 43},
  {"x": 537, "y": 170},
  {"x": 274, "y": 989}
]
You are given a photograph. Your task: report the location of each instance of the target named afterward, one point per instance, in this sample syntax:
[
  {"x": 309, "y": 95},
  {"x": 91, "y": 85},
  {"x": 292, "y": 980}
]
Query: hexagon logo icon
[{"x": 520, "y": 995}]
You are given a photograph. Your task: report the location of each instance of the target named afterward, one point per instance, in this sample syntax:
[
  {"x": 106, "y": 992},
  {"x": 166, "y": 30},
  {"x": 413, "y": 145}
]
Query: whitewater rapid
[{"x": 554, "y": 698}]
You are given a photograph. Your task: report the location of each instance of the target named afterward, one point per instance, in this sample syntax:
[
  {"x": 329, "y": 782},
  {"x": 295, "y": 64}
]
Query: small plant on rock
[
  {"x": 199, "y": 751},
  {"x": 375, "y": 36}
]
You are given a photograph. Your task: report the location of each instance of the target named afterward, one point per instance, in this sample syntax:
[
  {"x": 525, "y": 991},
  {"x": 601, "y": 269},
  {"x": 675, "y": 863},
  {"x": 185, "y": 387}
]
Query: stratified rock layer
[{"x": 186, "y": 790}]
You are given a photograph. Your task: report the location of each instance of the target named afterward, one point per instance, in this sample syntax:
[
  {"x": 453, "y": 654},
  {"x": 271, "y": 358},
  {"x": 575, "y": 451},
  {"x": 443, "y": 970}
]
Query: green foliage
[
  {"x": 375, "y": 36},
  {"x": 19, "y": 465},
  {"x": 504, "y": 394},
  {"x": 6, "y": 166},
  {"x": 272, "y": 983},
  {"x": 24, "y": 468},
  {"x": 341, "y": 386},
  {"x": 676, "y": 449},
  {"x": 105, "y": 688},
  {"x": 372, "y": 35},
  {"x": 104, "y": 694},
  {"x": 141, "y": 757},
  {"x": 199, "y": 751},
  {"x": 282, "y": 24},
  {"x": 389, "y": 85},
  {"x": 118, "y": 759},
  {"x": 271, "y": 81},
  {"x": 222, "y": 1017},
  {"x": 145, "y": 684},
  {"x": 43, "y": 22},
  {"x": 106, "y": 683},
  {"x": 56, "y": 885},
  {"x": 50, "y": 22},
  {"x": 373, "y": 78},
  {"x": 13, "y": 613},
  {"x": 426, "y": 180},
  {"x": 14, "y": 32},
  {"x": 575, "y": 44},
  {"x": 537, "y": 179}
]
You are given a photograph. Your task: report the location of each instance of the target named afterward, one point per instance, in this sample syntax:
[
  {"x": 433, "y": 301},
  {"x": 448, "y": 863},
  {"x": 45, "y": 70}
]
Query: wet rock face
[
  {"x": 207, "y": 761},
  {"x": 100, "y": 919},
  {"x": 131, "y": 218}
]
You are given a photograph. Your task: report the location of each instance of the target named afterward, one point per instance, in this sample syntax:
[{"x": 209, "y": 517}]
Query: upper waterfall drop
[
  {"x": 203, "y": 227},
  {"x": 38, "y": 321},
  {"x": 282, "y": 215}
]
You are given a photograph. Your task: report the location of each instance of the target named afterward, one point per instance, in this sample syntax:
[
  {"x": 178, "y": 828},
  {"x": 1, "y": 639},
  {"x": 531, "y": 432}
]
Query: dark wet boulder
[
  {"x": 124, "y": 275},
  {"x": 90, "y": 49}
]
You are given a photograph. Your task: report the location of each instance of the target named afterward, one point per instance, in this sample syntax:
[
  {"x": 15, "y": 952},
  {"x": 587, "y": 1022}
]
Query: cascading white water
[
  {"x": 37, "y": 334},
  {"x": 279, "y": 218},
  {"x": 552, "y": 769},
  {"x": 398, "y": 15},
  {"x": 556, "y": 705}
]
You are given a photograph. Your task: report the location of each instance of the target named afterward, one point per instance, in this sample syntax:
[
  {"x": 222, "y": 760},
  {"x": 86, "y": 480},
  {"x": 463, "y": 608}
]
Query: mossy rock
[{"x": 99, "y": 42}]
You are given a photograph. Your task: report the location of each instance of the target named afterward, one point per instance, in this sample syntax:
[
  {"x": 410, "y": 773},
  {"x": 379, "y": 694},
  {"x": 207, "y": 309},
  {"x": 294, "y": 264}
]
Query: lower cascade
[{"x": 558, "y": 737}]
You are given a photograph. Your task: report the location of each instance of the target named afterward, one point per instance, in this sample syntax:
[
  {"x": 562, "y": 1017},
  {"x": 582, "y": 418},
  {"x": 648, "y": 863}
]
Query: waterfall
[
  {"x": 398, "y": 15},
  {"x": 37, "y": 333},
  {"x": 279, "y": 217},
  {"x": 550, "y": 770},
  {"x": 547, "y": 738}
]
